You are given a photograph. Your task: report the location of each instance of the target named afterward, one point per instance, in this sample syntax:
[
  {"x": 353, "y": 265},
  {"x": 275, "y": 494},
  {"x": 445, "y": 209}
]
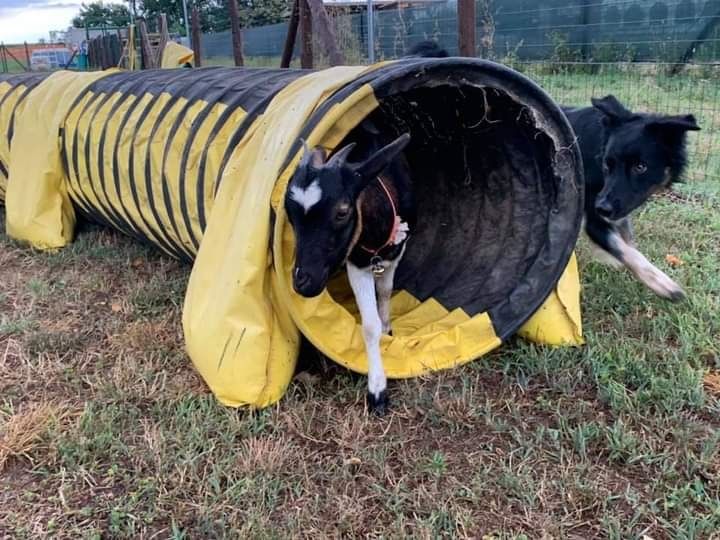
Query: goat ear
[
  {"x": 340, "y": 157},
  {"x": 684, "y": 122},
  {"x": 314, "y": 158},
  {"x": 375, "y": 164},
  {"x": 614, "y": 111}
]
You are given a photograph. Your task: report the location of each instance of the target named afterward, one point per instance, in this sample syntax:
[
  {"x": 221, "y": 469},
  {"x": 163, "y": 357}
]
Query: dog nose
[{"x": 604, "y": 208}]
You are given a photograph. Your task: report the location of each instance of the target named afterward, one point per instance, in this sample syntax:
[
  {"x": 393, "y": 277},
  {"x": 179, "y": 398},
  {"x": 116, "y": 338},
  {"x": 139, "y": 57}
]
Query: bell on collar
[{"x": 376, "y": 266}]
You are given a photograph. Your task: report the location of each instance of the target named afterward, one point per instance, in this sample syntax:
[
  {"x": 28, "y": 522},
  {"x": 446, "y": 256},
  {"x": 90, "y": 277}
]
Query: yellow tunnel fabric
[
  {"x": 149, "y": 162},
  {"x": 38, "y": 207},
  {"x": 237, "y": 331},
  {"x": 176, "y": 55}
]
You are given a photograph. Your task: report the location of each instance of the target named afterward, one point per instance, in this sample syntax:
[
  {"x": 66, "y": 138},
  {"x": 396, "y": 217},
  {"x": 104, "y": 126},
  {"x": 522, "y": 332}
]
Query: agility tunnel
[{"x": 196, "y": 162}]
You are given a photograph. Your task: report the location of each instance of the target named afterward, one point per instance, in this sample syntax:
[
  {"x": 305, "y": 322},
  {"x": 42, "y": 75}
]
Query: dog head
[{"x": 643, "y": 154}]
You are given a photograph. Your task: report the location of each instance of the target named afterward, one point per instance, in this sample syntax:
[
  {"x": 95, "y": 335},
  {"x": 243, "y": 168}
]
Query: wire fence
[{"x": 654, "y": 55}]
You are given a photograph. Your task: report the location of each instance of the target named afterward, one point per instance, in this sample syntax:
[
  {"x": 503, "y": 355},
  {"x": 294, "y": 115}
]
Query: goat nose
[{"x": 604, "y": 208}]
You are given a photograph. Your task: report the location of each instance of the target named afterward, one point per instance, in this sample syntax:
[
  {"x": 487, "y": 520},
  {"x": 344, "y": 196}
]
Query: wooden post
[
  {"x": 27, "y": 56},
  {"x": 148, "y": 61},
  {"x": 104, "y": 52},
  {"x": 326, "y": 33},
  {"x": 195, "y": 32},
  {"x": 236, "y": 36},
  {"x": 306, "y": 52},
  {"x": 164, "y": 38},
  {"x": 3, "y": 59},
  {"x": 466, "y": 27},
  {"x": 585, "y": 21},
  {"x": 291, "y": 36}
]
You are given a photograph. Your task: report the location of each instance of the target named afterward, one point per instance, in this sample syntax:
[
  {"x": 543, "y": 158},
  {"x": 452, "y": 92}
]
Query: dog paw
[
  {"x": 378, "y": 404},
  {"x": 662, "y": 285},
  {"x": 677, "y": 296}
]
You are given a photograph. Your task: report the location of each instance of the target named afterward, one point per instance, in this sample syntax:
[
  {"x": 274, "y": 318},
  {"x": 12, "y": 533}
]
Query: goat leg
[
  {"x": 384, "y": 286},
  {"x": 362, "y": 281}
]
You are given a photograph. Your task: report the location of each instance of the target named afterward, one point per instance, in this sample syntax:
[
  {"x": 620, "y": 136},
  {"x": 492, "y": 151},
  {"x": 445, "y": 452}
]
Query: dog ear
[
  {"x": 369, "y": 126},
  {"x": 682, "y": 123},
  {"x": 614, "y": 112}
]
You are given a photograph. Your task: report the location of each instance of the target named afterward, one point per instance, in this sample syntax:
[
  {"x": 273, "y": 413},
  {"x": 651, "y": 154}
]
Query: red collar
[{"x": 395, "y": 225}]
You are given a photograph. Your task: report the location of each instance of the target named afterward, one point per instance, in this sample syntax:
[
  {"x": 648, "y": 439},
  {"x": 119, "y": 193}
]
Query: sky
[{"x": 30, "y": 20}]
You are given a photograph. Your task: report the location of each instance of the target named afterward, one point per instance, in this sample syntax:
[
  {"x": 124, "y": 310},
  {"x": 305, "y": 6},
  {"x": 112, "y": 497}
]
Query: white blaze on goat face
[{"x": 308, "y": 197}]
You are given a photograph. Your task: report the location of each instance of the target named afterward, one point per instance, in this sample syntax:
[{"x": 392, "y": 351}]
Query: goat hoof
[{"x": 378, "y": 405}]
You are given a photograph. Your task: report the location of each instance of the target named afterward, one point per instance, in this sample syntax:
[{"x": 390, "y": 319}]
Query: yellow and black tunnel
[{"x": 196, "y": 162}]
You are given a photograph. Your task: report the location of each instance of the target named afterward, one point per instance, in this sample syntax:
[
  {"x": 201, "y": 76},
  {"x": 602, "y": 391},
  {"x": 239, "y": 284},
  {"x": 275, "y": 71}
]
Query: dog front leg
[
  {"x": 625, "y": 228},
  {"x": 610, "y": 241}
]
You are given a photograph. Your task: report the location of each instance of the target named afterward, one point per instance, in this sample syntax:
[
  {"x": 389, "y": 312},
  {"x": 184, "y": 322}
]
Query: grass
[{"x": 106, "y": 430}]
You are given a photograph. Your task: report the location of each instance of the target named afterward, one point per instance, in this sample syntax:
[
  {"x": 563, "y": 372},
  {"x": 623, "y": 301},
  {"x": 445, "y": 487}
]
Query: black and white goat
[{"x": 357, "y": 213}]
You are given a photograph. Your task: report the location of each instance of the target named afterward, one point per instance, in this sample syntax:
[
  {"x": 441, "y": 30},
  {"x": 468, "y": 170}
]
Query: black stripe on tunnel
[
  {"x": 74, "y": 181},
  {"x": 271, "y": 86},
  {"x": 94, "y": 156},
  {"x": 175, "y": 90},
  {"x": 143, "y": 82},
  {"x": 210, "y": 91},
  {"x": 125, "y": 87}
]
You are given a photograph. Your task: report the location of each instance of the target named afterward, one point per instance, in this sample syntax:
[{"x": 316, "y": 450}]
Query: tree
[
  {"x": 97, "y": 14},
  {"x": 214, "y": 13}
]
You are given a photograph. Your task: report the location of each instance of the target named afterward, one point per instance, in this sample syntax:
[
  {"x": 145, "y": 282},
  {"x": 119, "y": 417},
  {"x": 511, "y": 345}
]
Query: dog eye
[
  {"x": 609, "y": 164},
  {"x": 639, "y": 168}
]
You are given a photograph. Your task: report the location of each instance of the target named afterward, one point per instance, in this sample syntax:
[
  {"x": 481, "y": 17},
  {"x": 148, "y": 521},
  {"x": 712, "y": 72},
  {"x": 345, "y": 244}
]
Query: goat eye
[{"x": 639, "y": 168}]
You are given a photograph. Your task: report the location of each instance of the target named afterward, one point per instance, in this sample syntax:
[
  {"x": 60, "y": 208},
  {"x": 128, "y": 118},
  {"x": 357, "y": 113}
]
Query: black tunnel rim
[{"x": 550, "y": 263}]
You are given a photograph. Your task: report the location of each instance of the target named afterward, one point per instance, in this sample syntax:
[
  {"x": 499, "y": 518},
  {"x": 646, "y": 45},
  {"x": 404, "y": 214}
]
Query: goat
[{"x": 360, "y": 214}]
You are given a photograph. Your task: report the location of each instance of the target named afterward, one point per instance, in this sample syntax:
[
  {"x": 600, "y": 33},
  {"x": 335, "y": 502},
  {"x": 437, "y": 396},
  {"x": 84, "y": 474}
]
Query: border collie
[
  {"x": 427, "y": 49},
  {"x": 627, "y": 158}
]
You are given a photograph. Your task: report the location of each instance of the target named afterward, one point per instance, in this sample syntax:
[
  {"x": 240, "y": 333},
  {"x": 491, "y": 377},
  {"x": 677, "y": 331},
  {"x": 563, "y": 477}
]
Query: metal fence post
[{"x": 371, "y": 32}]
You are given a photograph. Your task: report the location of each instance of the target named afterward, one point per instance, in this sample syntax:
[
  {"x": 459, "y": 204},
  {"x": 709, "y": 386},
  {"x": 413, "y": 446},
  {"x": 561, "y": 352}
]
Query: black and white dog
[
  {"x": 427, "y": 49},
  {"x": 627, "y": 158}
]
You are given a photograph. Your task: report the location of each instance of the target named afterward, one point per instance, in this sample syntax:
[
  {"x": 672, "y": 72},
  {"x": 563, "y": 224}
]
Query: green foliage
[
  {"x": 98, "y": 14},
  {"x": 214, "y": 13}
]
